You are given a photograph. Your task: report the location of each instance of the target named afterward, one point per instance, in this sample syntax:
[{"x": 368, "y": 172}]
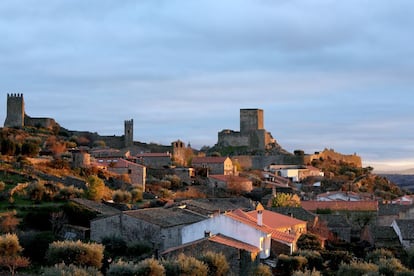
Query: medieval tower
[
  {"x": 251, "y": 120},
  {"x": 15, "y": 111},
  {"x": 129, "y": 133}
]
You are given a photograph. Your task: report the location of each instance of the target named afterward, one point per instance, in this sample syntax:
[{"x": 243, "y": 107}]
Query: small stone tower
[
  {"x": 251, "y": 120},
  {"x": 15, "y": 111},
  {"x": 129, "y": 133}
]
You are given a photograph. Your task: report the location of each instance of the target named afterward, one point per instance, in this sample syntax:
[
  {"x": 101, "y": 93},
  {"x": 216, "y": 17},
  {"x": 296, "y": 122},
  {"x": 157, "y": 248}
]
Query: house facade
[
  {"x": 231, "y": 182},
  {"x": 214, "y": 165},
  {"x": 137, "y": 173},
  {"x": 154, "y": 160},
  {"x": 160, "y": 227}
]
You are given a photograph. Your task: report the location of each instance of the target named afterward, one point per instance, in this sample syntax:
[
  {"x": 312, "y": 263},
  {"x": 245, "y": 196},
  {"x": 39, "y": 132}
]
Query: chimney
[
  {"x": 207, "y": 234},
  {"x": 259, "y": 217}
]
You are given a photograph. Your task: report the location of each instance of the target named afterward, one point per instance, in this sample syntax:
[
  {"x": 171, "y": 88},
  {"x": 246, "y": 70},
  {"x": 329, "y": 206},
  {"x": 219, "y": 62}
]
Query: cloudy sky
[{"x": 327, "y": 73}]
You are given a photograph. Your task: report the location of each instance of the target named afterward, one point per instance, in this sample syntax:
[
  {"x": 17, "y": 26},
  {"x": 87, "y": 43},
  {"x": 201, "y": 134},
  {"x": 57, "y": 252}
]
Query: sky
[{"x": 327, "y": 73}]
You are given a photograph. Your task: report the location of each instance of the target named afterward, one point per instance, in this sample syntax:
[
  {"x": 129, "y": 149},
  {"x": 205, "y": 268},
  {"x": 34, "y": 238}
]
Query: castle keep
[
  {"x": 16, "y": 116},
  {"x": 252, "y": 133}
]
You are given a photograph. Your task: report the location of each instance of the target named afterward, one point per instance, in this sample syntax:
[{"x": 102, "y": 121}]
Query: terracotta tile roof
[
  {"x": 339, "y": 205},
  {"x": 209, "y": 159},
  {"x": 234, "y": 243},
  {"x": 250, "y": 219},
  {"x": 275, "y": 220},
  {"x": 219, "y": 238},
  {"x": 225, "y": 178},
  {"x": 154, "y": 154}
]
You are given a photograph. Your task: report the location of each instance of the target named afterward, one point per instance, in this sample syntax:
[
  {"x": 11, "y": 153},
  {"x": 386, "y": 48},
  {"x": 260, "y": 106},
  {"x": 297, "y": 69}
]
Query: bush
[
  {"x": 175, "y": 181},
  {"x": 38, "y": 242},
  {"x": 96, "y": 188},
  {"x": 356, "y": 268},
  {"x": 120, "y": 196},
  {"x": 307, "y": 272},
  {"x": 291, "y": 263},
  {"x": 377, "y": 254},
  {"x": 75, "y": 252},
  {"x": 216, "y": 262},
  {"x": 191, "y": 266},
  {"x": 121, "y": 268},
  {"x": 262, "y": 270},
  {"x": 10, "y": 250},
  {"x": 150, "y": 267},
  {"x": 315, "y": 260},
  {"x": 70, "y": 270},
  {"x": 309, "y": 241},
  {"x": 136, "y": 195},
  {"x": 389, "y": 266}
]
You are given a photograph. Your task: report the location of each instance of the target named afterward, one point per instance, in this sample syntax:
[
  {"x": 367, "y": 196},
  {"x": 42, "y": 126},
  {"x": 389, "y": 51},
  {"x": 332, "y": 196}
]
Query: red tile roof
[
  {"x": 339, "y": 205},
  {"x": 209, "y": 159},
  {"x": 226, "y": 178},
  {"x": 250, "y": 218},
  {"x": 275, "y": 220},
  {"x": 154, "y": 154},
  {"x": 234, "y": 243}
]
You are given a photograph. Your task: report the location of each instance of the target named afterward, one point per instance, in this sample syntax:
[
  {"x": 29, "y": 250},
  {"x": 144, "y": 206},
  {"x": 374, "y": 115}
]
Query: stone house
[
  {"x": 340, "y": 195},
  {"x": 154, "y": 160},
  {"x": 231, "y": 183},
  {"x": 215, "y": 165},
  {"x": 136, "y": 172},
  {"x": 242, "y": 257},
  {"x": 160, "y": 227},
  {"x": 404, "y": 230},
  {"x": 338, "y": 225}
]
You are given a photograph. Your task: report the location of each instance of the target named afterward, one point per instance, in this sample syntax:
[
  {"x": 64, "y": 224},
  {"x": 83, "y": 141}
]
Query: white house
[{"x": 225, "y": 225}]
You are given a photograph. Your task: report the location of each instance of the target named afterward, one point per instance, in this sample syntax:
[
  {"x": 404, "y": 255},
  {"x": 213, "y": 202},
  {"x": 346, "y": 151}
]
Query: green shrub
[
  {"x": 309, "y": 241},
  {"x": 262, "y": 270},
  {"x": 120, "y": 196},
  {"x": 38, "y": 243},
  {"x": 216, "y": 262},
  {"x": 70, "y": 270},
  {"x": 114, "y": 245},
  {"x": 121, "y": 268},
  {"x": 191, "y": 266},
  {"x": 356, "y": 269},
  {"x": 307, "y": 272},
  {"x": 389, "y": 266},
  {"x": 377, "y": 254},
  {"x": 150, "y": 267},
  {"x": 136, "y": 194},
  {"x": 291, "y": 263},
  {"x": 75, "y": 252},
  {"x": 315, "y": 260}
]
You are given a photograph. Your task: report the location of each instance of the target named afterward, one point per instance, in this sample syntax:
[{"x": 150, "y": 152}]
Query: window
[{"x": 129, "y": 171}]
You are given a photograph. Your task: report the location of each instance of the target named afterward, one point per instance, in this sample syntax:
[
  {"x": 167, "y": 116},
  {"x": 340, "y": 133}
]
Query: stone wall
[
  {"x": 40, "y": 122},
  {"x": 331, "y": 154},
  {"x": 260, "y": 162}
]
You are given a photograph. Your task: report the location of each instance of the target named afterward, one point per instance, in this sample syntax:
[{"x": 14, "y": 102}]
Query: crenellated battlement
[{"x": 15, "y": 95}]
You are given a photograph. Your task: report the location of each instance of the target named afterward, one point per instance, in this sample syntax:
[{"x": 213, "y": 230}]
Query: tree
[
  {"x": 309, "y": 241},
  {"x": 191, "y": 266},
  {"x": 262, "y": 270},
  {"x": 10, "y": 251},
  {"x": 96, "y": 188},
  {"x": 285, "y": 200},
  {"x": 8, "y": 222},
  {"x": 75, "y": 252}
]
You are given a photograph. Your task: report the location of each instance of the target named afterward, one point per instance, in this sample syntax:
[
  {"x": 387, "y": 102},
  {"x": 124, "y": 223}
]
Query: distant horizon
[{"x": 326, "y": 74}]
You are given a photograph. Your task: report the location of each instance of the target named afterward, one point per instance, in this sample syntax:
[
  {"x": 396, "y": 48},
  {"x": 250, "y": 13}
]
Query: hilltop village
[{"x": 79, "y": 203}]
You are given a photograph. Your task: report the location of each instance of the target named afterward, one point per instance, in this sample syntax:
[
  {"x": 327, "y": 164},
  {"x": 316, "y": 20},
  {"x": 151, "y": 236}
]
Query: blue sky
[{"x": 328, "y": 74}]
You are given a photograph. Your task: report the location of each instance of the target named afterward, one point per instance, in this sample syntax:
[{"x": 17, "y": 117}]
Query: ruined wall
[
  {"x": 40, "y": 122},
  {"x": 331, "y": 154},
  {"x": 259, "y": 162},
  {"x": 232, "y": 138}
]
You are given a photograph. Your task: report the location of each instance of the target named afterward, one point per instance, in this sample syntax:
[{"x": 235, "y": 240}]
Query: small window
[{"x": 129, "y": 171}]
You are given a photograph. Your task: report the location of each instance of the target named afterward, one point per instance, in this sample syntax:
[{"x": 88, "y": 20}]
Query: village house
[
  {"x": 215, "y": 206},
  {"x": 269, "y": 231},
  {"x": 295, "y": 173},
  {"x": 137, "y": 173},
  {"x": 160, "y": 227},
  {"x": 215, "y": 165},
  {"x": 404, "y": 230},
  {"x": 155, "y": 160},
  {"x": 343, "y": 196},
  {"x": 242, "y": 257},
  {"x": 230, "y": 182}
]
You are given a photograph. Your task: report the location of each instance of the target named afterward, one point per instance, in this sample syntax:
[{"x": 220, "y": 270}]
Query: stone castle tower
[
  {"x": 15, "y": 111},
  {"x": 129, "y": 133},
  {"x": 251, "y": 120}
]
